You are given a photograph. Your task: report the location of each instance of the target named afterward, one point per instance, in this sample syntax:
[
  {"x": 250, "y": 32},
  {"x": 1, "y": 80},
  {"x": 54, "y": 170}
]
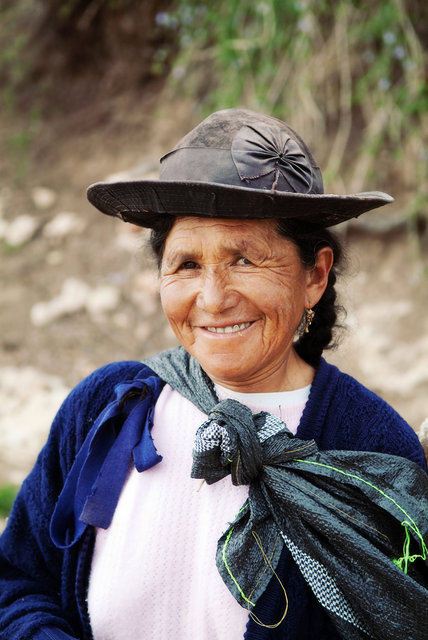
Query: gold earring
[{"x": 309, "y": 316}]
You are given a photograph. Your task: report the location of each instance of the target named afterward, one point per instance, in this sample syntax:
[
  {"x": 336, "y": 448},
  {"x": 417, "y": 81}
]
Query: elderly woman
[{"x": 111, "y": 537}]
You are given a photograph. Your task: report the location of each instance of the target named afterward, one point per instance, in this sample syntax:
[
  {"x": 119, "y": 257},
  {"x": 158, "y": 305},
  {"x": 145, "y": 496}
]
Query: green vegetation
[
  {"x": 353, "y": 73},
  {"x": 351, "y": 76},
  {"x": 7, "y": 496}
]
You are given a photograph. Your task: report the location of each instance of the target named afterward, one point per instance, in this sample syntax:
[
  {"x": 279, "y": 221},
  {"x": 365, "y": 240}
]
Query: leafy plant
[
  {"x": 350, "y": 75},
  {"x": 7, "y": 496}
]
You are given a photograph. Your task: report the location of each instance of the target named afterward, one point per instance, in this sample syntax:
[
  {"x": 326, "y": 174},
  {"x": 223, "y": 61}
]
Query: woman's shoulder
[
  {"x": 358, "y": 418},
  {"x": 360, "y": 401},
  {"x": 103, "y": 380},
  {"x": 344, "y": 389},
  {"x": 91, "y": 395},
  {"x": 344, "y": 393}
]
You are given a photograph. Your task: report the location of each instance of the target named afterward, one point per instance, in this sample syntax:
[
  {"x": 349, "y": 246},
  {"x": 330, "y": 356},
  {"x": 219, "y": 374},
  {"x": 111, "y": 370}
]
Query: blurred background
[{"x": 99, "y": 89}]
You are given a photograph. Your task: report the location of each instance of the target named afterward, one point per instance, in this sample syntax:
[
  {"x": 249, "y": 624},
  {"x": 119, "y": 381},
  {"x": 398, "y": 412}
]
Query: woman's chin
[{"x": 226, "y": 369}]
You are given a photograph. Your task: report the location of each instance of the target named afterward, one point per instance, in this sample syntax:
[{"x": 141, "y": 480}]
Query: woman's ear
[{"x": 317, "y": 277}]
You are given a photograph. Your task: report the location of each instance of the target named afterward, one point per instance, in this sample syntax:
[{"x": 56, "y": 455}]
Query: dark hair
[
  {"x": 309, "y": 239},
  {"x": 159, "y": 235}
]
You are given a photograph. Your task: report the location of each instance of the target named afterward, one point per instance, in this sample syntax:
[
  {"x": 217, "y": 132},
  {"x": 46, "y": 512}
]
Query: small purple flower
[
  {"x": 399, "y": 53},
  {"x": 389, "y": 37},
  {"x": 383, "y": 84},
  {"x": 162, "y": 19}
]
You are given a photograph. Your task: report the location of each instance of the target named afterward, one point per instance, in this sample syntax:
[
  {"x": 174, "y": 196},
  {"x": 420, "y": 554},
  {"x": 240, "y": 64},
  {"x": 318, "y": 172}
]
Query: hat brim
[{"x": 142, "y": 202}]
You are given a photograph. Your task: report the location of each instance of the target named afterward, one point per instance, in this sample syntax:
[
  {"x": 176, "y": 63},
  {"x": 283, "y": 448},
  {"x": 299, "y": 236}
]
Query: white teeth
[{"x": 229, "y": 329}]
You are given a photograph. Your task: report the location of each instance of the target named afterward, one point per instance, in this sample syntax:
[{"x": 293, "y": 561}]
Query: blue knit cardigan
[{"x": 43, "y": 588}]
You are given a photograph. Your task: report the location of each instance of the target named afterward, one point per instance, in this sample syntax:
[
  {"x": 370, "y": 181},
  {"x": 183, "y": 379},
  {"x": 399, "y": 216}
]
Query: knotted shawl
[{"x": 354, "y": 522}]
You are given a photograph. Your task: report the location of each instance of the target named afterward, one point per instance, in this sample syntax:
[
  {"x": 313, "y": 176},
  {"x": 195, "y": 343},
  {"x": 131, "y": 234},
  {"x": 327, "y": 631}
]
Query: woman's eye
[
  {"x": 243, "y": 260},
  {"x": 189, "y": 264}
]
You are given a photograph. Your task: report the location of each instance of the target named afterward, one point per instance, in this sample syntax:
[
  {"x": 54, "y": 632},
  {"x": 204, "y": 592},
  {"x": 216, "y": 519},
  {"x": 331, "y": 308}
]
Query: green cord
[
  {"x": 401, "y": 563},
  {"x": 230, "y": 572},
  {"x": 227, "y": 565}
]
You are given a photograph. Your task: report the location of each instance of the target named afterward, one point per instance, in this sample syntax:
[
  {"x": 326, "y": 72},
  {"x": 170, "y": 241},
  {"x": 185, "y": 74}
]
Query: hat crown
[
  {"x": 235, "y": 164},
  {"x": 239, "y": 147}
]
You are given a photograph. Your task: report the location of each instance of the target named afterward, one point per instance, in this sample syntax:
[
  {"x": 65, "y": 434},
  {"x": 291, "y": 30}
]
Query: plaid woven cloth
[{"x": 354, "y": 522}]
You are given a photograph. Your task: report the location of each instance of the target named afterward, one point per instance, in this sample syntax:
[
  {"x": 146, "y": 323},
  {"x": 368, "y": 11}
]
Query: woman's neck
[{"x": 293, "y": 374}]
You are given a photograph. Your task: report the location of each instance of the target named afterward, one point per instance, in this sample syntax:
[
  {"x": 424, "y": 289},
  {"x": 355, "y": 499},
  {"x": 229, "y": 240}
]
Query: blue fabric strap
[{"x": 92, "y": 488}]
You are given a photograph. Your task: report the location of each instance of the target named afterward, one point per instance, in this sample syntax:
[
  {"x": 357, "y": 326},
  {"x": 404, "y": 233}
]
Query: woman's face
[{"x": 234, "y": 292}]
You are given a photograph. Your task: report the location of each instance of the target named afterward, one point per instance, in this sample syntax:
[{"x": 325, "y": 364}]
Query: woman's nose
[{"x": 216, "y": 294}]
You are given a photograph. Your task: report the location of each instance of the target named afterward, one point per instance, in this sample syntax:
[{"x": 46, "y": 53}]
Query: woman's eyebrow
[
  {"x": 177, "y": 256},
  {"x": 233, "y": 248},
  {"x": 243, "y": 247}
]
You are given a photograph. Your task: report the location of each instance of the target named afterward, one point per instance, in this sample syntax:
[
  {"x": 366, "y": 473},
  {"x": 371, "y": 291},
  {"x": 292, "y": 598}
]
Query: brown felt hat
[{"x": 235, "y": 164}]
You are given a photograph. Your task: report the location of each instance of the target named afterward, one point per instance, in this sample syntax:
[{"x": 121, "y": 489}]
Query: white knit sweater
[{"x": 153, "y": 571}]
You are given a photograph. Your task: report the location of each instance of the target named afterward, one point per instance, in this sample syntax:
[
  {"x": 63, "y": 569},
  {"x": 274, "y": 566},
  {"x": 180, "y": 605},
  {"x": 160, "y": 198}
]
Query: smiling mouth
[{"x": 232, "y": 328}]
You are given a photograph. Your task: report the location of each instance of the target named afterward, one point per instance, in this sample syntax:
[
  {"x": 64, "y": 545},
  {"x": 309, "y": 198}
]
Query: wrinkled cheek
[
  {"x": 172, "y": 303},
  {"x": 182, "y": 330},
  {"x": 165, "y": 299},
  {"x": 175, "y": 322},
  {"x": 288, "y": 319}
]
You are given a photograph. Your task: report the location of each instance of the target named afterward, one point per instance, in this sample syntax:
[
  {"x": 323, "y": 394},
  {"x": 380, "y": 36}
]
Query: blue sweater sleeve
[
  {"x": 34, "y": 602},
  {"x": 51, "y": 633}
]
